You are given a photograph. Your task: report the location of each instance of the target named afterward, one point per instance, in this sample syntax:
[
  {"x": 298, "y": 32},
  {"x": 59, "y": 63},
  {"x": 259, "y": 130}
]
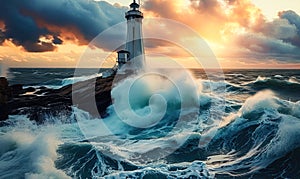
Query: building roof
[
  {"x": 134, "y": 5},
  {"x": 123, "y": 51}
]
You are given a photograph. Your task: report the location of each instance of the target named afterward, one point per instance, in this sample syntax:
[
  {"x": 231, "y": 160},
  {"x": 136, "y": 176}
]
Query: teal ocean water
[{"x": 246, "y": 124}]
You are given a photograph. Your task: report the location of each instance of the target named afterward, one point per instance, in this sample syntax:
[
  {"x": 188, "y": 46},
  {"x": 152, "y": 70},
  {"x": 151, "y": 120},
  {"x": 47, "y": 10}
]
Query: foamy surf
[
  {"x": 29, "y": 155},
  {"x": 241, "y": 132}
]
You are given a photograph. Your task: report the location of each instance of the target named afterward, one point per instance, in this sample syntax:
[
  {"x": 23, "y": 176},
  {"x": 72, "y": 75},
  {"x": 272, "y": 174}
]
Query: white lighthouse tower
[{"x": 134, "y": 49}]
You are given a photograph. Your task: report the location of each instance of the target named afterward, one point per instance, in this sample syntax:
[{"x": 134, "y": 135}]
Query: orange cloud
[
  {"x": 68, "y": 32},
  {"x": 237, "y": 28},
  {"x": 209, "y": 17}
]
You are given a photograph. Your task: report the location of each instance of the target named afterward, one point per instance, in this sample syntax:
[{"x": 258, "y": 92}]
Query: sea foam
[{"x": 30, "y": 155}]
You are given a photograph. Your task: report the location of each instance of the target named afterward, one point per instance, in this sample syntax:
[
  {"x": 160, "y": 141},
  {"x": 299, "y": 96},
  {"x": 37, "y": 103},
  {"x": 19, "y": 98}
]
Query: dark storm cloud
[
  {"x": 262, "y": 44},
  {"x": 56, "y": 40},
  {"x": 277, "y": 38},
  {"x": 38, "y": 47},
  {"x": 278, "y": 28},
  {"x": 22, "y": 30},
  {"x": 28, "y": 20},
  {"x": 293, "y": 19}
]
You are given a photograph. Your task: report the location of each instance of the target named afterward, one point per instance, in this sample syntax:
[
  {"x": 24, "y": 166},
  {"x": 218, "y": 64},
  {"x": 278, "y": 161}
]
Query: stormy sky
[
  {"x": 26, "y": 21},
  {"x": 237, "y": 29}
]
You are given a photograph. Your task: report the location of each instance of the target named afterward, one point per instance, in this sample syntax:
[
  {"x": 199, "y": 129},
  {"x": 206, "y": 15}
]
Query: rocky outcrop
[
  {"x": 3, "y": 90},
  {"x": 42, "y": 104},
  {"x": 4, "y": 96}
]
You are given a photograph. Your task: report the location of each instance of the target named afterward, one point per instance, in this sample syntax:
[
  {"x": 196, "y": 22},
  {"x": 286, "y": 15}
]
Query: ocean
[{"x": 245, "y": 124}]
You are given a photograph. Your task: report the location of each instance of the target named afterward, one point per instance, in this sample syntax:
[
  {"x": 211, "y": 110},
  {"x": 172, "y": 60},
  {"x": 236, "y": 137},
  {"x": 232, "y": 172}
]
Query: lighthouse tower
[{"x": 134, "y": 48}]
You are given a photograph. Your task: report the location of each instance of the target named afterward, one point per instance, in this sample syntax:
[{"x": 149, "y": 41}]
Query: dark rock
[
  {"x": 4, "y": 97},
  {"x": 30, "y": 89},
  {"x": 3, "y": 112},
  {"x": 4, "y": 90},
  {"x": 84, "y": 93},
  {"x": 93, "y": 95},
  {"x": 49, "y": 114},
  {"x": 3, "y": 82},
  {"x": 42, "y": 87},
  {"x": 16, "y": 89}
]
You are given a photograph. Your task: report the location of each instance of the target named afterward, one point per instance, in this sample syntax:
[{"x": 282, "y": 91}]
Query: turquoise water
[{"x": 245, "y": 125}]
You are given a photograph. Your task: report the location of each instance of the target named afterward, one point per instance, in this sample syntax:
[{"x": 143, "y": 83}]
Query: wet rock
[
  {"x": 16, "y": 89},
  {"x": 4, "y": 96},
  {"x": 93, "y": 96},
  {"x": 4, "y": 90},
  {"x": 30, "y": 89}
]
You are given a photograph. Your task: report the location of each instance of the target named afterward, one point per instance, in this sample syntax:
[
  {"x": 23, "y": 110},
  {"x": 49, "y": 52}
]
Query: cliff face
[{"x": 43, "y": 102}]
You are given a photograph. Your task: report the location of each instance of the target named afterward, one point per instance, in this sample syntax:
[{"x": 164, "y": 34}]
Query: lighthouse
[{"x": 134, "y": 48}]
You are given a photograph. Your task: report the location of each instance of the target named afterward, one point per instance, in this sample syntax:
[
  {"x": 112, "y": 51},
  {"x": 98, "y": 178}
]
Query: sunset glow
[
  {"x": 240, "y": 33},
  {"x": 149, "y": 89}
]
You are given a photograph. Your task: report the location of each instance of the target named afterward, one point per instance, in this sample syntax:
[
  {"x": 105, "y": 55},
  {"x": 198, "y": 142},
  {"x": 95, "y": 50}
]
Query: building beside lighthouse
[{"x": 134, "y": 47}]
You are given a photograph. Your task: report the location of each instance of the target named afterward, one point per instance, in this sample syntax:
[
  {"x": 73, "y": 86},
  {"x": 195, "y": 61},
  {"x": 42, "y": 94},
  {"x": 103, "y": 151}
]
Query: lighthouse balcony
[{"x": 134, "y": 14}]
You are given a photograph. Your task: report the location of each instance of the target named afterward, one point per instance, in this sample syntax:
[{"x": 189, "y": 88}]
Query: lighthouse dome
[
  {"x": 134, "y": 5},
  {"x": 134, "y": 11}
]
